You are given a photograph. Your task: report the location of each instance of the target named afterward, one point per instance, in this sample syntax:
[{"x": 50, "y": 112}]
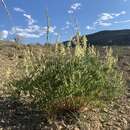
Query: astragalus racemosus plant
[{"x": 70, "y": 77}]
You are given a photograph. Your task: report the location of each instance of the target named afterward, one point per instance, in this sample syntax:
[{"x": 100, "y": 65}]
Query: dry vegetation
[{"x": 56, "y": 87}]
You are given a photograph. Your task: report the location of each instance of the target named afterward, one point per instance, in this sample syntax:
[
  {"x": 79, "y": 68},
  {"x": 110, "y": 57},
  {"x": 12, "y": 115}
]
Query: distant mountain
[{"x": 110, "y": 37}]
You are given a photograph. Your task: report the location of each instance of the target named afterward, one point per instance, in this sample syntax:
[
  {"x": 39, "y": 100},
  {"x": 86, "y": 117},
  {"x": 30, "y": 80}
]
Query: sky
[{"x": 27, "y": 18}]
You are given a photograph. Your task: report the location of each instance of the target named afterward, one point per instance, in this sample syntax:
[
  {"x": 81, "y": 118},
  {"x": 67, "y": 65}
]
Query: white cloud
[
  {"x": 74, "y": 7},
  {"x": 29, "y": 32},
  {"x": 105, "y": 20},
  {"x": 27, "y": 35},
  {"x": 89, "y": 28},
  {"x": 51, "y": 29},
  {"x": 67, "y": 25},
  {"x": 29, "y": 19},
  {"x": 123, "y": 21},
  {"x": 118, "y": 14},
  {"x": 32, "y": 31},
  {"x": 109, "y": 16},
  {"x": 123, "y": 12},
  {"x": 17, "y": 9},
  {"x": 104, "y": 23},
  {"x": 56, "y": 34},
  {"x": 65, "y": 28},
  {"x": 4, "y": 34},
  {"x": 70, "y": 11},
  {"x": 105, "y": 17}
]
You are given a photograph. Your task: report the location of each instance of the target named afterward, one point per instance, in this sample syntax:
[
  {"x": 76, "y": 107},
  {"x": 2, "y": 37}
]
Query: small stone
[
  {"x": 76, "y": 128},
  {"x": 117, "y": 124},
  {"x": 95, "y": 110},
  {"x": 125, "y": 123},
  {"x": 105, "y": 110},
  {"x": 109, "y": 123},
  {"x": 60, "y": 127},
  {"x": 122, "y": 112}
]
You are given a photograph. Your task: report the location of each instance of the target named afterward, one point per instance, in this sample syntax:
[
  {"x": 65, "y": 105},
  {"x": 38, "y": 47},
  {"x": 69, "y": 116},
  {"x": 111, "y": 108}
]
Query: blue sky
[{"x": 66, "y": 16}]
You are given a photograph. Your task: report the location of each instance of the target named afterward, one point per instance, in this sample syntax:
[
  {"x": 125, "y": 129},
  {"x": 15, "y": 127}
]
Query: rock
[
  {"x": 109, "y": 123},
  {"x": 122, "y": 112},
  {"x": 125, "y": 123},
  {"x": 76, "y": 128},
  {"x": 60, "y": 127},
  {"x": 117, "y": 124},
  {"x": 105, "y": 110}
]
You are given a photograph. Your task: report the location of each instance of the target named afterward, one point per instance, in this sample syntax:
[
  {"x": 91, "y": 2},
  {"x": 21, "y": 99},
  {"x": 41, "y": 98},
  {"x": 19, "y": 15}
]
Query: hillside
[{"x": 110, "y": 37}]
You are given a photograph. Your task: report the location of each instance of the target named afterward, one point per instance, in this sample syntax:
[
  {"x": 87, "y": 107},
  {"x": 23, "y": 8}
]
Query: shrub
[{"x": 70, "y": 78}]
